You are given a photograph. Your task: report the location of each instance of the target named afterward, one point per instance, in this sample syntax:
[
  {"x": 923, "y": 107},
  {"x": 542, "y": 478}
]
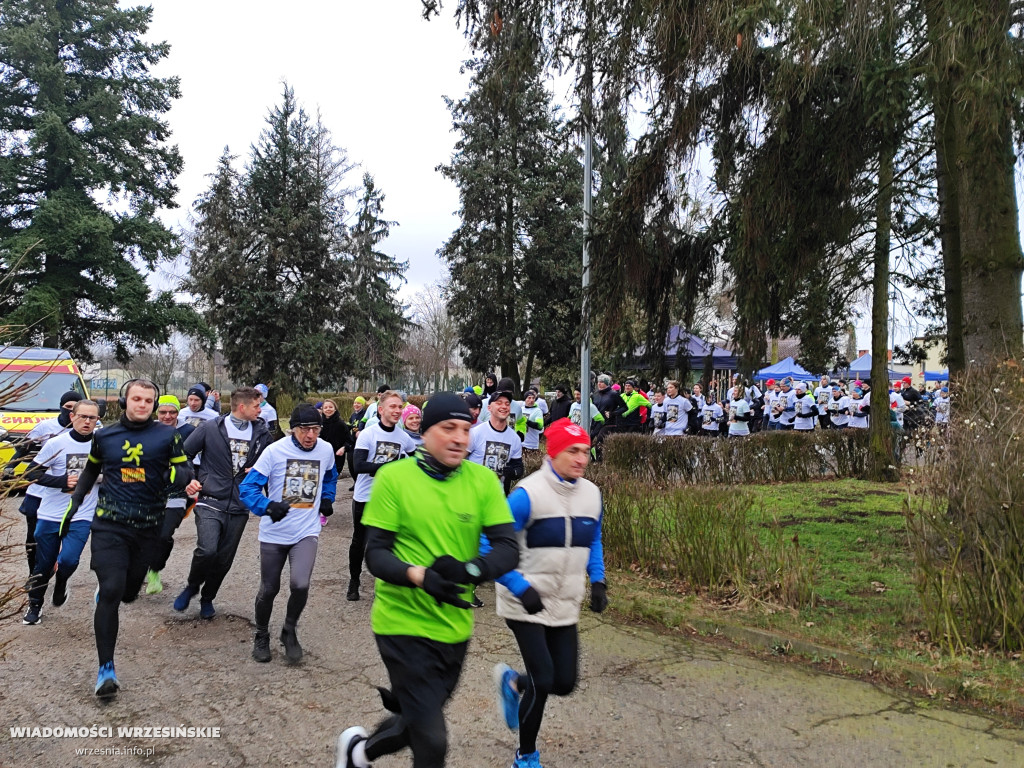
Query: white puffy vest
[{"x": 554, "y": 547}]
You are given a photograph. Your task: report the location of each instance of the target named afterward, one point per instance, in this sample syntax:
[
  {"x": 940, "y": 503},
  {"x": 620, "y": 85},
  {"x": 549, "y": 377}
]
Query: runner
[
  {"x": 424, "y": 523},
  {"x": 377, "y": 445},
  {"x": 267, "y": 412},
  {"x": 557, "y": 517},
  {"x": 495, "y": 445},
  {"x": 196, "y": 412},
  {"x": 289, "y": 521},
  {"x": 59, "y": 542},
  {"x": 32, "y": 443},
  {"x": 677, "y": 410},
  {"x": 838, "y": 408},
  {"x": 178, "y": 502},
  {"x": 805, "y": 409},
  {"x": 140, "y": 460},
  {"x": 658, "y": 412},
  {"x": 229, "y": 446},
  {"x": 739, "y": 413},
  {"x": 532, "y": 421}
]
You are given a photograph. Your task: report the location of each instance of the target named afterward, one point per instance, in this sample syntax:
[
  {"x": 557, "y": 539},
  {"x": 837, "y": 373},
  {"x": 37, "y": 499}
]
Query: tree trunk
[
  {"x": 528, "y": 373},
  {"x": 976, "y": 60},
  {"x": 882, "y": 464},
  {"x": 949, "y": 228}
]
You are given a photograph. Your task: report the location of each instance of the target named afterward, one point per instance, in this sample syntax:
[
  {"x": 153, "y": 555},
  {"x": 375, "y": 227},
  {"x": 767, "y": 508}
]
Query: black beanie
[
  {"x": 505, "y": 385},
  {"x": 70, "y": 397},
  {"x": 444, "y": 406},
  {"x": 198, "y": 392},
  {"x": 305, "y": 415}
]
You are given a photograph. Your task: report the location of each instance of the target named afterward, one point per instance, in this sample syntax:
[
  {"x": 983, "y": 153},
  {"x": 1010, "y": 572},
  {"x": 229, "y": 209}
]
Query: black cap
[
  {"x": 442, "y": 407},
  {"x": 198, "y": 392},
  {"x": 473, "y": 400},
  {"x": 305, "y": 415},
  {"x": 382, "y": 389},
  {"x": 562, "y": 388},
  {"x": 70, "y": 397},
  {"x": 500, "y": 393}
]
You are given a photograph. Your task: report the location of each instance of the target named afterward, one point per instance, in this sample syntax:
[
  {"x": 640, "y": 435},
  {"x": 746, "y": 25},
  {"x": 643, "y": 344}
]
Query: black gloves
[
  {"x": 276, "y": 510},
  {"x": 531, "y": 601},
  {"x": 443, "y": 590},
  {"x": 510, "y": 473},
  {"x": 457, "y": 571},
  {"x": 598, "y": 596},
  {"x": 326, "y": 507}
]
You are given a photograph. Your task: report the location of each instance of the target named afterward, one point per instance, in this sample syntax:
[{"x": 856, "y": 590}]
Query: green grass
[
  {"x": 866, "y": 601},
  {"x": 856, "y": 534}
]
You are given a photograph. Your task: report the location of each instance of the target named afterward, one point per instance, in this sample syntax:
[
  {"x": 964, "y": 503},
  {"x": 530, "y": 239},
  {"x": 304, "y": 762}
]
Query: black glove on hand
[
  {"x": 443, "y": 590},
  {"x": 65, "y": 522},
  {"x": 455, "y": 570},
  {"x": 326, "y": 507},
  {"x": 509, "y": 473},
  {"x": 276, "y": 510},
  {"x": 598, "y": 597},
  {"x": 531, "y": 601}
]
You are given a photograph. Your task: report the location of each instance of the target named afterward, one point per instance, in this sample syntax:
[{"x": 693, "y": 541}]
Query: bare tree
[
  {"x": 158, "y": 363},
  {"x": 435, "y": 337}
]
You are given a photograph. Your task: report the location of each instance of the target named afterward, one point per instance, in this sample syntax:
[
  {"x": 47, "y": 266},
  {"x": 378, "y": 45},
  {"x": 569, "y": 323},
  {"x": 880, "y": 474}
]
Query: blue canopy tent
[
  {"x": 936, "y": 375},
  {"x": 785, "y": 367},
  {"x": 861, "y": 369}
]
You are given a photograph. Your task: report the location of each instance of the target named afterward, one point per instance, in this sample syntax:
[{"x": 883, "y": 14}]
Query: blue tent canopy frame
[{"x": 785, "y": 367}]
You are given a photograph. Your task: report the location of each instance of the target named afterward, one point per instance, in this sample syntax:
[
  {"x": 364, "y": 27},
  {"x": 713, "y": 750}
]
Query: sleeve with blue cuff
[{"x": 250, "y": 491}]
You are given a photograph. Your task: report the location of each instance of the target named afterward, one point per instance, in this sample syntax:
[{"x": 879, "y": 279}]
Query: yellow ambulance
[{"x": 32, "y": 379}]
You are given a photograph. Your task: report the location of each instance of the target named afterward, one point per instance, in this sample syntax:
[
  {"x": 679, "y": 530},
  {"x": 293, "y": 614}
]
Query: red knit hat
[{"x": 563, "y": 433}]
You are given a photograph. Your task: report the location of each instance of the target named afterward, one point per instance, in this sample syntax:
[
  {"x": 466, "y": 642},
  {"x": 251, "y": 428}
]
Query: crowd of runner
[{"x": 440, "y": 505}]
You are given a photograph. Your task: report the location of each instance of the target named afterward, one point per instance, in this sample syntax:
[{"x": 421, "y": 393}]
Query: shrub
[
  {"x": 765, "y": 457},
  {"x": 704, "y": 537},
  {"x": 966, "y": 519}
]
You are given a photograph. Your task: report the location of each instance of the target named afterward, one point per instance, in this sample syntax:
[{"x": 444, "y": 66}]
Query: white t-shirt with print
[
  {"x": 41, "y": 433},
  {"x": 63, "y": 455},
  {"x": 858, "y": 420},
  {"x": 658, "y": 417},
  {"x": 381, "y": 446},
  {"x": 238, "y": 444},
  {"x": 294, "y": 476},
  {"x": 676, "y": 415},
  {"x": 493, "y": 449},
  {"x": 833, "y": 408},
  {"x": 739, "y": 408},
  {"x": 532, "y": 439},
  {"x": 806, "y": 412}
]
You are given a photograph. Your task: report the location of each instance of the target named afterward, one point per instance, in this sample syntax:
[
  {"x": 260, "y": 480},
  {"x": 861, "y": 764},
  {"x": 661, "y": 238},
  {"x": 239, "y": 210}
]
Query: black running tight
[{"x": 551, "y": 656}]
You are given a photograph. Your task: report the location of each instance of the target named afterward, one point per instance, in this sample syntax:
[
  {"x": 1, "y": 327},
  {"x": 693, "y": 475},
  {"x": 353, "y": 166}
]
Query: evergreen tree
[
  {"x": 514, "y": 260},
  {"x": 376, "y": 323},
  {"x": 84, "y": 166},
  {"x": 267, "y": 257}
]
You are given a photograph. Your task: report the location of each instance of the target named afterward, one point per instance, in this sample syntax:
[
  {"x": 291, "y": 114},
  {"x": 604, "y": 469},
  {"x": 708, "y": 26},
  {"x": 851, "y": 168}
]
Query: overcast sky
[{"x": 376, "y": 70}]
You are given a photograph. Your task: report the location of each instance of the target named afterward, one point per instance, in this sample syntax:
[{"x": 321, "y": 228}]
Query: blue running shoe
[
  {"x": 529, "y": 760},
  {"x": 206, "y": 609},
  {"x": 106, "y": 681},
  {"x": 181, "y": 601},
  {"x": 508, "y": 696}
]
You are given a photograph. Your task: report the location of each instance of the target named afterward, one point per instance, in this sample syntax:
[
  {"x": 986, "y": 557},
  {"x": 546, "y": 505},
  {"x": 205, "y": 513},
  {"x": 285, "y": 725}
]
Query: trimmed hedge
[{"x": 765, "y": 457}]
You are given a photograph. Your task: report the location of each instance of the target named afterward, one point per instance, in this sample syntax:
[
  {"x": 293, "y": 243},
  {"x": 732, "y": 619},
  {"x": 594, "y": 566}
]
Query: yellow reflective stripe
[{"x": 178, "y": 459}]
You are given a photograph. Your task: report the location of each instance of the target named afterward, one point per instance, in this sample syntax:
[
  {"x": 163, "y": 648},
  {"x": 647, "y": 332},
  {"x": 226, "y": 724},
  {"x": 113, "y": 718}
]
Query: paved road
[{"x": 645, "y": 699}]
